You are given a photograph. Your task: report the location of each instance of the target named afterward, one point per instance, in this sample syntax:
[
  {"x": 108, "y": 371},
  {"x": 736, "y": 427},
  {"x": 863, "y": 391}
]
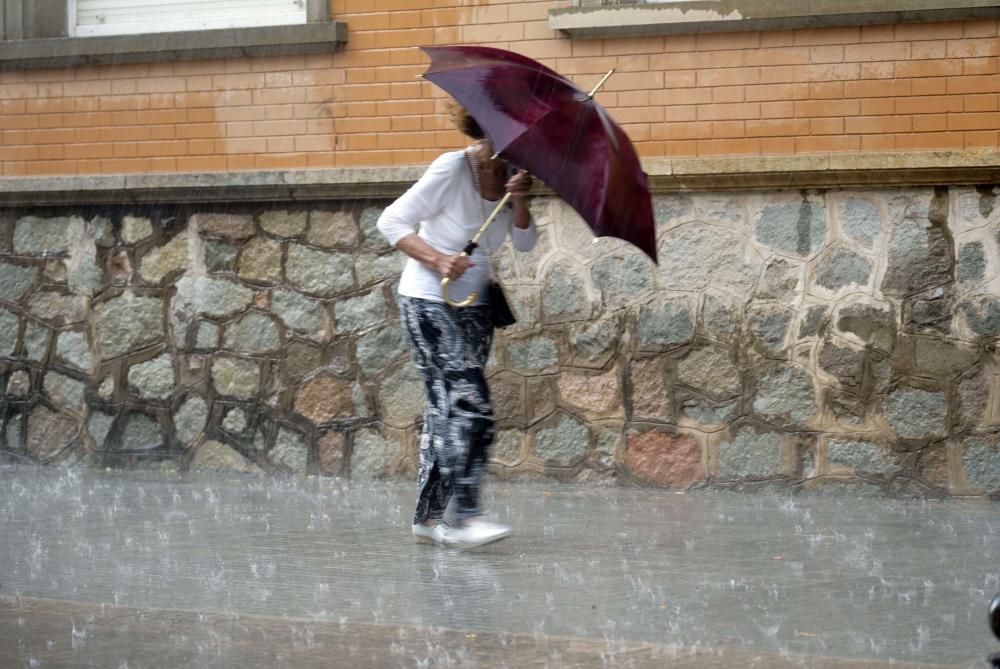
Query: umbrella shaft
[{"x": 492, "y": 217}]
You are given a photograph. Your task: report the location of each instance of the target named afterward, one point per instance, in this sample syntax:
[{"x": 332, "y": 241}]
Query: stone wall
[{"x": 800, "y": 338}]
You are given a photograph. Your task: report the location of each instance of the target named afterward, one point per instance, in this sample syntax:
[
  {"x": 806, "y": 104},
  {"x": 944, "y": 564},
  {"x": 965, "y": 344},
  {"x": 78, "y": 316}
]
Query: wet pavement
[{"x": 146, "y": 569}]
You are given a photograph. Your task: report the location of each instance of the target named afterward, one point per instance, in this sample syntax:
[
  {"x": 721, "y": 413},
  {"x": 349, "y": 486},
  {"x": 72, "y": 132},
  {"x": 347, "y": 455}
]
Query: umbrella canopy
[{"x": 539, "y": 121}]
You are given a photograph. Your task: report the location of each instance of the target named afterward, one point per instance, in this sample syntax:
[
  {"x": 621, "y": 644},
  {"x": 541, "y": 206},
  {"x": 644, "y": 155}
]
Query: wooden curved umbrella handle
[{"x": 461, "y": 303}]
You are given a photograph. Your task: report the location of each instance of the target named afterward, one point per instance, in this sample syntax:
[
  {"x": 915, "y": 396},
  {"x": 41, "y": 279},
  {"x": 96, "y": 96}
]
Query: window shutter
[{"x": 123, "y": 17}]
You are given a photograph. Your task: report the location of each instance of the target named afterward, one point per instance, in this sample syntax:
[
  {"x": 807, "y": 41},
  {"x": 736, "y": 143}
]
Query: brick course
[{"x": 871, "y": 88}]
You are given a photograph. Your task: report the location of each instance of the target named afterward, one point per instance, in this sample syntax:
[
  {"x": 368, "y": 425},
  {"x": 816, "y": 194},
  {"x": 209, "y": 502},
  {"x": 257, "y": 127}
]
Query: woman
[{"x": 450, "y": 345}]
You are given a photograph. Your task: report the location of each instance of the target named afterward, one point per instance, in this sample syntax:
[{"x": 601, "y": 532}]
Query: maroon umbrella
[{"x": 541, "y": 122}]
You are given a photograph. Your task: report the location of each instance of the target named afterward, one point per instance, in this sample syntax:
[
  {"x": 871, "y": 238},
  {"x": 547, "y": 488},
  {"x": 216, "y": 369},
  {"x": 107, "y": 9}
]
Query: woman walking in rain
[{"x": 431, "y": 223}]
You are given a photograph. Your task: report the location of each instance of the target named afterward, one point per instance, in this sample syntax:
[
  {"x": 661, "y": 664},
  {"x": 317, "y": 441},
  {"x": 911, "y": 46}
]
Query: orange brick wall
[{"x": 858, "y": 89}]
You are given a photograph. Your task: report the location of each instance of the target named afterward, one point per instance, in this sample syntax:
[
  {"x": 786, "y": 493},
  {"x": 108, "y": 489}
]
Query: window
[
  {"x": 67, "y": 33},
  {"x": 89, "y": 18}
]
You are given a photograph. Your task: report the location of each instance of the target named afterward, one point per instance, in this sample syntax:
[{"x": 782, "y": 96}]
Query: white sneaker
[
  {"x": 472, "y": 533},
  {"x": 425, "y": 534}
]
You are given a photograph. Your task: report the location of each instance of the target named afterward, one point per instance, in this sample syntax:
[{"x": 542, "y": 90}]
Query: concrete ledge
[
  {"x": 596, "y": 19},
  {"x": 939, "y": 168},
  {"x": 317, "y": 37}
]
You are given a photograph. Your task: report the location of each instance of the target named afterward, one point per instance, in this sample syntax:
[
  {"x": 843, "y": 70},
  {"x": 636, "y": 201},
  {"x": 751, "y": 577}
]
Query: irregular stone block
[
  {"x": 172, "y": 257},
  {"x": 769, "y": 325},
  {"x": 749, "y": 455},
  {"x": 708, "y": 413},
  {"x": 844, "y": 364},
  {"x": 373, "y": 268},
  {"x": 672, "y": 208},
  {"x": 842, "y": 268},
  {"x": 971, "y": 264},
  {"x": 236, "y": 377},
  {"x": 230, "y": 226},
  {"x": 650, "y": 399},
  {"x": 141, "y": 433},
  {"x": 284, "y": 223},
  {"x": 260, "y": 261},
  {"x": 208, "y": 296},
  {"x": 220, "y": 256},
  {"x": 298, "y": 311},
  {"x": 19, "y": 384},
  {"x": 378, "y": 349},
  {"x": 861, "y": 220},
  {"x": 153, "y": 379},
  {"x": 135, "y": 229},
  {"x": 592, "y": 340},
  {"x": 621, "y": 277},
  {"x": 301, "y": 358},
  {"x": 785, "y": 394},
  {"x": 710, "y": 370},
  {"x": 358, "y": 313},
  {"x": 981, "y": 460},
  {"x": 798, "y": 228},
  {"x": 919, "y": 258},
  {"x": 665, "y": 323},
  {"x": 942, "y": 358},
  {"x": 217, "y": 457},
  {"x": 917, "y": 414},
  {"x": 99, "y": 425},
  {"x": 402, "y": 397},
  {"x": 49, "y": 432},
  {"x": 190, "y": 419},
  {"x": 290, "y": 451},
  {"x": 72, "y": 347},
  {"x": 814, "y": 323},
  {"x": 507, "y": 447},
  {"x": 563, "y": 294},
  {"x": 56, "y": 236},
  {"x": 36, "y": 342},
  {"x": 720, "y": 317},
  {"x": 65, "y": 391},
  {"x": 127, "y": 322},
  {"x": 235, "y": 420},
  {"x": 373, "y": 453},
  {"x": 563, "y": 440},
  {"x": 331, "y": 446},
  {"x": 56, "y": 307},
  {"x": 973, "y": 399},
  {"x": 9, "y": 325},
  {"x": 863, "y": 457},
  {"x": 595, "y": 395},
  {"x": 699, "y": 256},
  {"x": 253, "y": 332},
  {"x": 85, "y": 276},
  {"x": 333, "y": 229},
  {"x": 982, "y": 313},
  {"x": 324, "y": 398},
  {"x": 781, "y": 278},
  {"x": 206, "y": 335},
  {"x": 664, "y": 458},
  {"x": 16, "y": 280},
  {"x": 319, "y": 272},
  {"x": 373, "y": 239},
  {"x": 872, "y": 325},
  {"x": 535, "y": 353}
]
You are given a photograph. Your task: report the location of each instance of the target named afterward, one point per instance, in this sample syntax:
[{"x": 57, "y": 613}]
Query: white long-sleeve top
[{"x": 445, "y": 209}]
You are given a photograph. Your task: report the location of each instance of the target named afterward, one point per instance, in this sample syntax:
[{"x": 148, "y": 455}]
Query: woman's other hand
[
  {"x": 452, "y": 267},
  {"x": 519, "y": 184}
]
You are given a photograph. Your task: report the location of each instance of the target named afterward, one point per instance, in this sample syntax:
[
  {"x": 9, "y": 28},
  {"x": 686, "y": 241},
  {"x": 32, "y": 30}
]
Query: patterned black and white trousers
[{"x": 450, "y": 347}]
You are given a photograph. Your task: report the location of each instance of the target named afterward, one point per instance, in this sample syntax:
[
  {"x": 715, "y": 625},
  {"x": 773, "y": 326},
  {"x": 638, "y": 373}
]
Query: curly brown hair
[{"x": 463, "y": 120}]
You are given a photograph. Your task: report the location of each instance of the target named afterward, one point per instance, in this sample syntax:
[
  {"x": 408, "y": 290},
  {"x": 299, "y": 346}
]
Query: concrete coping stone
[
  {"x": 665, "y": 175},
  {"x": 594, "y": 19}
]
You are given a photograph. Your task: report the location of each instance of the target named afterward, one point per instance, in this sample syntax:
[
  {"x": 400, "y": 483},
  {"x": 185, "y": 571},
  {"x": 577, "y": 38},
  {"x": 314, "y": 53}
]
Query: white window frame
[{"x": 75, "y": 30}]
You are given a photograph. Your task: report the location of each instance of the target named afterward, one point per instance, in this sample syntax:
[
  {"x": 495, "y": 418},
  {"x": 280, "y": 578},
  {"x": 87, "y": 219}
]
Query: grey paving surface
[{"x": 149, "y": 570}]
